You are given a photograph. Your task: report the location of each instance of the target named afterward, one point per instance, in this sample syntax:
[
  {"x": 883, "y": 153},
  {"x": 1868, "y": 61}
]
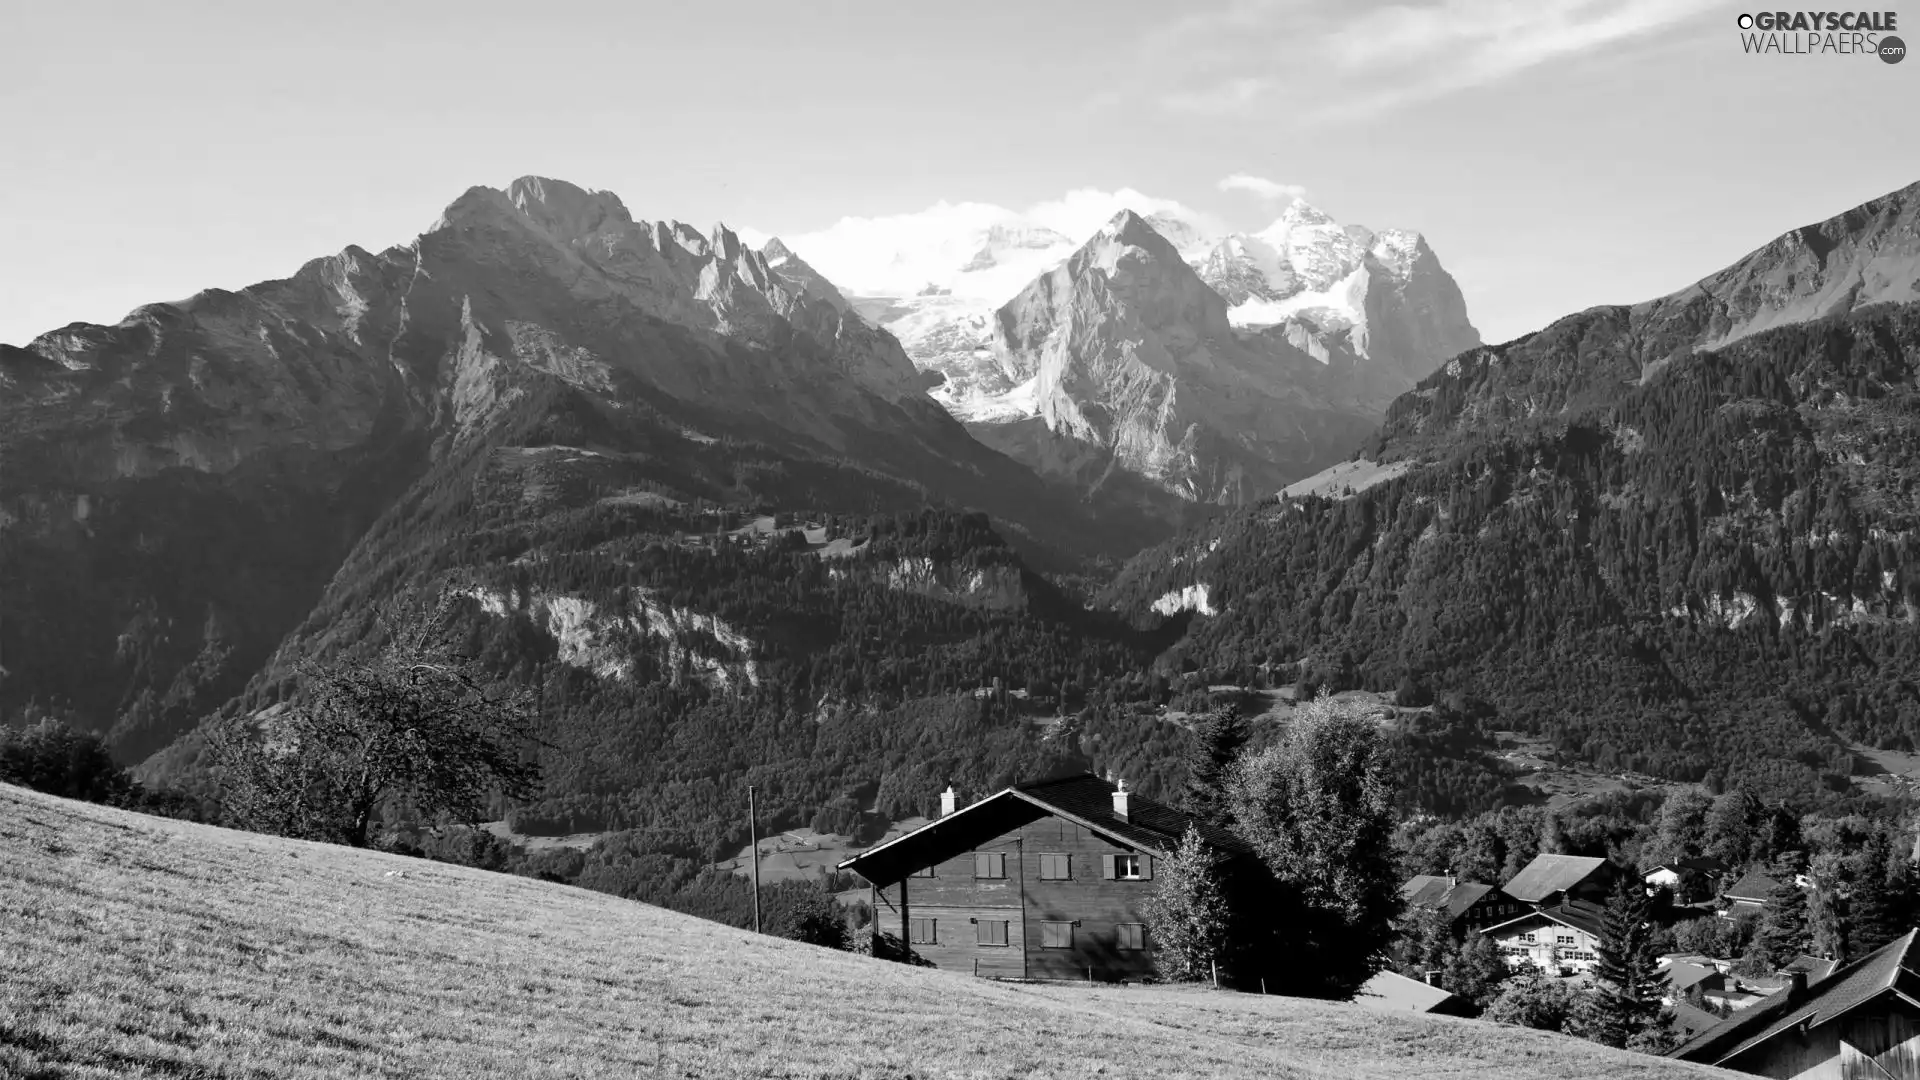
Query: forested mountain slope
[{"x": 1681, "y": 537}]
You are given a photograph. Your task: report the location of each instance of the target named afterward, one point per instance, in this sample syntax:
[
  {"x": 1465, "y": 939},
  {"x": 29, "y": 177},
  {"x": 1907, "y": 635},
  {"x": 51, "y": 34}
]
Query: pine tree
[
  {"x": 1625, "y": 1007},
  {"x": 1219, "y": 740},
  {"x": 1881, "y": 905},
  {"x": 1783, "y": 925},
  {"x": 1187, "y": 914}
]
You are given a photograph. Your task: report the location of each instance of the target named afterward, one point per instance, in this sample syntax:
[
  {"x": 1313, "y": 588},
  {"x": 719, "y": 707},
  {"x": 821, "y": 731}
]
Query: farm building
[
  {"x": 1861, "y": 1021},
  {"x": 1044, "y": 880},
  {"x": 1467, "y": 905},
  {"x": 1560, "y": 940}
]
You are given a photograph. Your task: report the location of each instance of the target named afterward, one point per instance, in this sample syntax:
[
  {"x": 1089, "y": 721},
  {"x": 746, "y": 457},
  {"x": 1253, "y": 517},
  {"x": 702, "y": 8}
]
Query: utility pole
[{"x": 753, "y": 834}]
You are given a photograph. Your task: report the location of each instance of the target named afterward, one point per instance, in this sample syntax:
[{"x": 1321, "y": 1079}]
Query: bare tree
[{"x": 416, "y": 722}]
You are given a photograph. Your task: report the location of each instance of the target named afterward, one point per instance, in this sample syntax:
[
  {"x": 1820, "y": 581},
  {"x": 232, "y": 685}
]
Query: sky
[{"x": 1556, "y": 153}]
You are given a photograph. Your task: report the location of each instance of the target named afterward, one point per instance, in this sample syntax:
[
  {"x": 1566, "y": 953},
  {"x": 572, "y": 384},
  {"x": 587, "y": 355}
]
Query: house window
[
  {"x": 990, "y": 932},
  {"x": 1124, "y": 867},
  {"x": 925, "y": 871},
  {"x": 1056, "y": 935},
  {"x": 1132, "y": 937},
  {"x": 1056, "y": 867},
  {"x": 921, "y": 932},
  {"x": 1527, "y": 937},
  {"x": 990, "y": 864},
  {"x": 1563, "y": 939}
]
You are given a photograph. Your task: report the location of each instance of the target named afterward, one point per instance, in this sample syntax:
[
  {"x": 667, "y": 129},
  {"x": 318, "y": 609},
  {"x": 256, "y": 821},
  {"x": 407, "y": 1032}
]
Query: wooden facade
[
  {"x": 1862, "y": 1022},
  {"x": 1558, "y": 941},
  {"x": 1073, "y": 918},
  {"x": 1044, "y": 881},
  {"x": 1874, "y": 1041}
]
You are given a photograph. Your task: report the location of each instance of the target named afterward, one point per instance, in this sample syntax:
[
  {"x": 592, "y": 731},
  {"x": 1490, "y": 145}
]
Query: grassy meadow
[{"x": 133, "y": 946}]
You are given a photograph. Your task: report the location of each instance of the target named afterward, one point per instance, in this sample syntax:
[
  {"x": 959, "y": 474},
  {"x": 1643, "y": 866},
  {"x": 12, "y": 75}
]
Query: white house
[{"x": 1560, "y": 940}]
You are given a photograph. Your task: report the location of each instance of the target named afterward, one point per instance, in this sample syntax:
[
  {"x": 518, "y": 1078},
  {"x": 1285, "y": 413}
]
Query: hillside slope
[{"x": 134, "y": 946}]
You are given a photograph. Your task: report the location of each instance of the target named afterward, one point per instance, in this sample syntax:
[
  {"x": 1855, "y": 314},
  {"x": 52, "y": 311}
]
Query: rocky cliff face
[
  {"x": 1122, "y": 359},
  {"x": 1385, "y": 294},
  {"x": 181, "y": 487}
]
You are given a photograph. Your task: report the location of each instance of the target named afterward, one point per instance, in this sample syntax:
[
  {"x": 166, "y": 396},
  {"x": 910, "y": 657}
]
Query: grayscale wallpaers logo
[{"x": 1823, "y": 33}]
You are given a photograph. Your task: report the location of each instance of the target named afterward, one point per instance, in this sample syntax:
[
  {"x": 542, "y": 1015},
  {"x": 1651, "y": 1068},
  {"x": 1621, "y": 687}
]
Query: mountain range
[
  {"x": 695, "y": 492},
  {"x": 1216, "y": 368},
  {"x": 1679, "y": 537}
]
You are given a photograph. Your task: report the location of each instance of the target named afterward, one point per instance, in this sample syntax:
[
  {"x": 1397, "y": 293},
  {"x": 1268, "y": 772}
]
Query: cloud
[
  {"x": 1262, "y": 188},
  {"x": 1366, "y": 60}
]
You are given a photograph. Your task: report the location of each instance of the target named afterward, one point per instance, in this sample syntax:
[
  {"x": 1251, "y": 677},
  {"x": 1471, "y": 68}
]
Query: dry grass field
[{"x": 141, "y": 947}]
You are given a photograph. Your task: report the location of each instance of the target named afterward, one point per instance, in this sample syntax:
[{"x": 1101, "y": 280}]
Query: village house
[
  {"x": 1467, "y": 905},
  {"x": 1861, "y": 1021},
  {"x": 1551, "y": 879},
  {"x": 1560, "y": 940},
  {"x": 1688, "y": 879},
  {"x": 1747, "y": 896},
  {"x": 1043, "y": 880}
]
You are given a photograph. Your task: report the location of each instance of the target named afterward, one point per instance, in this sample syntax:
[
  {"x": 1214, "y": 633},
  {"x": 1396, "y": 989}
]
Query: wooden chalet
[
  {"x": 1861, "y": 1021},
  {"x": 1466, "y": 905},
  {"x": 1559, "y": 940},
  {"x": 1043, "y": 880}
]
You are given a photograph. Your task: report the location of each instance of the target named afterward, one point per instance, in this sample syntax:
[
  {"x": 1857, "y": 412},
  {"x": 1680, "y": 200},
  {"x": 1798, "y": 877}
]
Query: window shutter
[
  {"x": 1106, "y": 867},
  {"x": 1146, "y": 867}
]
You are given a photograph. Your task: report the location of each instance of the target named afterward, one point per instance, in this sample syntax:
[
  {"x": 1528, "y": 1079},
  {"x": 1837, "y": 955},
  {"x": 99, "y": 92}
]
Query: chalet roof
[
  {"x": 1549, "y": 874},
  {"x": 1443, "y": 892},
  {"x": 1701, "y": 865},
  {"x": 1579, "y": 914},
  {"x": 1391, "y": 990},
  {"x": 1755, "y": 887},
  {"x": 1692, "y": 1020},
  {"x": 1681, "y": 975},
  {"x": 1815, "y": 967},
  {"x": 1889, "y": 968},
  {"x": 1085, "y": 800}
]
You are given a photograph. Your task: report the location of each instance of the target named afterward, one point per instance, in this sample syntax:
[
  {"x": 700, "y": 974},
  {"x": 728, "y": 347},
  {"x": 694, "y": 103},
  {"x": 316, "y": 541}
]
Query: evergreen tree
[
  {"x": 1881, "y": 902},
  {"x": 1782, "y": 934},
  {"x": 1318, "y": 808},
  {"x": 1625, "y": 1007},
  {"x": 1187, "y": 915},
  {"x": 1733, "y": 825},
  {"x": 1218, "y": 741}
]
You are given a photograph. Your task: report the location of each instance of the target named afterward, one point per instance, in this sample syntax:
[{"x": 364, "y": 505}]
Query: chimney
[
  {"x": 1120, "y": 800},
  {"x": 1796, "y": 989},
  {"x": 947, "y": 799}
]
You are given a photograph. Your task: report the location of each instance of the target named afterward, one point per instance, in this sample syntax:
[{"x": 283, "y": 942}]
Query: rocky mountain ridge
[{"x": 183, "y": 486}]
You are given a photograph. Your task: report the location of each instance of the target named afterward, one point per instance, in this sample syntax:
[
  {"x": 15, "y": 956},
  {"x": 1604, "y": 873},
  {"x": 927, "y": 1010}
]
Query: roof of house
[
  {"x": 1815, "y": 967},
  {"x": 1394, "y": 991},
  {"x": 1549, "y": 874},
  {"x": 1702, "y": 865},
  {"x": 1754, "y": 887},
  {"x": 1582, "y": 915},
  {"x": 1085, "y": 800},
  {"x": 1692, "y": 1020},
  {"x": 1681, "y": 975},
  {"x": 1888, "y": 968},
  {"x": 1444, "y": 892}
]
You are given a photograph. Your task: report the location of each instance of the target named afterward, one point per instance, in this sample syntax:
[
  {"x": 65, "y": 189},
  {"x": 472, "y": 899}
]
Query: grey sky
[{"x": 1557, "y": 153}]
